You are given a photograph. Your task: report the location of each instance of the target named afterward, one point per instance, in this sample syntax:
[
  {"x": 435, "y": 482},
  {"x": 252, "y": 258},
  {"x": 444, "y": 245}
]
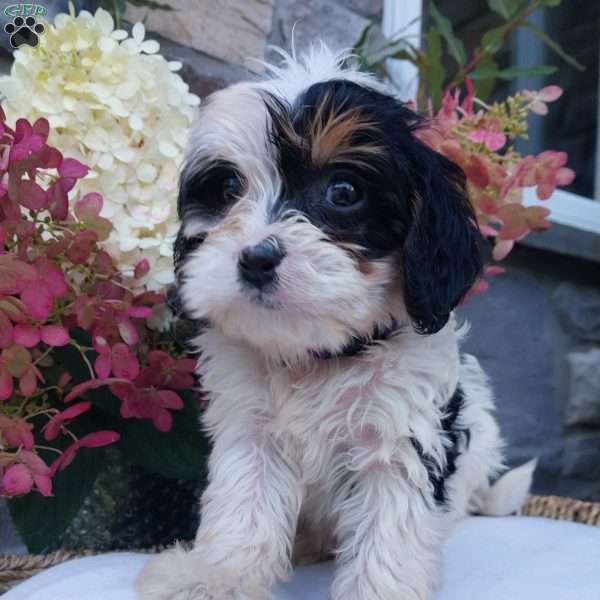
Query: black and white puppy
[{"x": 326, "y": 248}]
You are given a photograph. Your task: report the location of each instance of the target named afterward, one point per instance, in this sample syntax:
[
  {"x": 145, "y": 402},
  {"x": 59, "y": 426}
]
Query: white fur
[{"x": 324, "y": 444}]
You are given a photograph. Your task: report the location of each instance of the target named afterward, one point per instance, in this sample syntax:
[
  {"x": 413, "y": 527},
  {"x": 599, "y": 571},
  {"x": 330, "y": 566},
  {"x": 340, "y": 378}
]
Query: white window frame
[{"x": 571, "y": 210}]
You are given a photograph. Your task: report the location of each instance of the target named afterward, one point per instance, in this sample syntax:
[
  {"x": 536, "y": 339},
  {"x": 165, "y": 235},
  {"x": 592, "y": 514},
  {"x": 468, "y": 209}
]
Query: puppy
[{"x": 325, "y": 247}]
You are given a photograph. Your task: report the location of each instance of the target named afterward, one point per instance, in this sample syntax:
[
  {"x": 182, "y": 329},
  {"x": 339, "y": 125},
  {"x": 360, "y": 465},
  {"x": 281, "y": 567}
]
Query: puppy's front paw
[{"x": 181, "y": 575}]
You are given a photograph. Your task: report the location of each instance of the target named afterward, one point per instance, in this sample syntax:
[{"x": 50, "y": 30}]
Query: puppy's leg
[
  {"x": 249, "y": 514},
  {"x": 389, "y": 538}
]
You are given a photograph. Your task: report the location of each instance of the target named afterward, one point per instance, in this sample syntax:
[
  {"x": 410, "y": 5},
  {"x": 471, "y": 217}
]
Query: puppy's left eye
[{"x": 343, "y": 194}]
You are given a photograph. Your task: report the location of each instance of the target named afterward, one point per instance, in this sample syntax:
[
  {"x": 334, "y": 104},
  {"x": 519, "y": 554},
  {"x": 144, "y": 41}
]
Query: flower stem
[{"x": 85, "y": 358}]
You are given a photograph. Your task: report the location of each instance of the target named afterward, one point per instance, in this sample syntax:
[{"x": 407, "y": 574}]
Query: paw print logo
[{"x": 24, "y": 31}]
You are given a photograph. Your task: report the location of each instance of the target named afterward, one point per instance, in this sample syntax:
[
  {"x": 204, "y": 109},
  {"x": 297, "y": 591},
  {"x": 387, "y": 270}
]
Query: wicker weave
[
  {"x": 563, "y": 509},
  {"x": 14, "y": 569}
]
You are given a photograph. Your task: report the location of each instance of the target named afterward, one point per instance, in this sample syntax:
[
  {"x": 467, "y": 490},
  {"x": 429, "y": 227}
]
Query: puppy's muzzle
[{"x": 258, "y": 264}]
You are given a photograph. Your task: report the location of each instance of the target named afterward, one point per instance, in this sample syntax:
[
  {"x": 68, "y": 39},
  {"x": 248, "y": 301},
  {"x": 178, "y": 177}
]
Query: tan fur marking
[
  {"x": 366, "y": 267},
  {"x": 332, "y": 133}
]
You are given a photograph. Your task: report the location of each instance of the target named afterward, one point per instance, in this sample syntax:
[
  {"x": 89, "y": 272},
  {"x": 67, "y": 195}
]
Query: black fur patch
[
  {"x": 415, "y": 209},
  {"x": 455, "y": 440},
  {"x": 201, "y": 193},
  {"x": 381, "y": 224}
]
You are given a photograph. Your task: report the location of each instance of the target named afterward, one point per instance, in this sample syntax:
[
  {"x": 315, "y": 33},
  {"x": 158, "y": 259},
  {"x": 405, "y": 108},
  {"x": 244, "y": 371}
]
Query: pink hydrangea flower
[
  {"x": 492, "y": 140},
  {"x": 16, "y": 362},
  {"x": 539, "y": 99},
  {"x": 117, "y": 360},
  {"x": 26, "y": 141},
  {"x": 39, "y": 295},
  {"x": 147, "y": 403},
  {"x": 21, "y": 477},
  {"x": 16, "y": 481},
  {"x": 31, "y": 335},
  {"x": 164, "y": 371},
  {"x": 16, "y": 432}
]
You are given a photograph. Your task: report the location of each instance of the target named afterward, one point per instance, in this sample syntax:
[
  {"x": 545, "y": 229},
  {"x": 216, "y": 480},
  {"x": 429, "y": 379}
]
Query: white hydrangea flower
[{"x": 118, "y": 106}]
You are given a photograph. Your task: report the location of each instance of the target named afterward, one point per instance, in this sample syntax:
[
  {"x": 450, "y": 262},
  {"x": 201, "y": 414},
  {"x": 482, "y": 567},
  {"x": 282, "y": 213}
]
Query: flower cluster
[
  {"x": 120, "y": 108},
  {"x": 60, "y": 289},
  {"x": 479, "y": 138}
]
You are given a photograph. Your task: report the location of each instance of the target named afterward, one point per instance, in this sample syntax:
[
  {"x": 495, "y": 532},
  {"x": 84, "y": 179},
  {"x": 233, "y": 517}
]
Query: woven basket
[{"x": 15, "y": 568}]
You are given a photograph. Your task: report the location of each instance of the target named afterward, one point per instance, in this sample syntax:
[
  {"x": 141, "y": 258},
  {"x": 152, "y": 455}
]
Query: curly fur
[{"x": 363, "y": 455}]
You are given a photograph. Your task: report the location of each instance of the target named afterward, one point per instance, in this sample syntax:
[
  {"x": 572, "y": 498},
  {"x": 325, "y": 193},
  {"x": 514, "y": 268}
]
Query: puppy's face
[{"x": 313, "y": 217}]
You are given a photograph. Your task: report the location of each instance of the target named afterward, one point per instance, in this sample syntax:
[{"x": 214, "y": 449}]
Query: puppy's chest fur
[{"x": 344, "y": 413}]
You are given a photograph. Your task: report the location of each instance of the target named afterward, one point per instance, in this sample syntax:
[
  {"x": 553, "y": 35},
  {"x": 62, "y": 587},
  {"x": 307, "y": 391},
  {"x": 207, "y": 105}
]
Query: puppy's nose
[{"x": 257, "y": 264}]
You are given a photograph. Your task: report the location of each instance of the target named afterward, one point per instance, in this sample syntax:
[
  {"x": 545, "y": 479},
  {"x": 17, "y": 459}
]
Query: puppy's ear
[{"x": 441, "y": 258}]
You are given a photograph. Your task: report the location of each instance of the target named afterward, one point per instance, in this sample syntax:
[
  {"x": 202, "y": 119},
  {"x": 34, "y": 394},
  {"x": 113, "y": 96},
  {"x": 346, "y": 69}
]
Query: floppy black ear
[{"x": 441, "y": 256}]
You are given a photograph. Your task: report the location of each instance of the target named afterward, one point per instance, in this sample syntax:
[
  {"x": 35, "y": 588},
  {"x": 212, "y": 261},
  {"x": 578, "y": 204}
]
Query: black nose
[{"x": 257, "y": 264}]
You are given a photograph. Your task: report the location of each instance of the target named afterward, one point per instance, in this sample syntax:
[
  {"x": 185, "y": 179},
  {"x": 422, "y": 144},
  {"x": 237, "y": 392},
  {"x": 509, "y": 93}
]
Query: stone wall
[
  {"x": 337, "y": 22},
  {"x": 537, "y": 334},
  {"x": 220, "y": 49}
]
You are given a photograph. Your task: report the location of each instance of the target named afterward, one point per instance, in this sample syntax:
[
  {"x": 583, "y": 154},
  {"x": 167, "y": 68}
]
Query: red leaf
[
  {"x": 163, "y": 421},
  {"x": 99, "y": 439},
  {"x": 42, "y": 128},
  {"x": 23, "y": 130},
  {"x": 170, "y": 399},
  {"x": 72, "y": 168},
  {"x": 58, "y": 202},
  {"x": 32, "y": 196},
  {"x": 91, "y": 384}
]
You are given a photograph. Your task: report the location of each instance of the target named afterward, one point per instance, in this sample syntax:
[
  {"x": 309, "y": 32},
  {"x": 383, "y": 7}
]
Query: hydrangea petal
[
  {"x": 54, "y": 335},
  {"x": 26, "y": 335}
]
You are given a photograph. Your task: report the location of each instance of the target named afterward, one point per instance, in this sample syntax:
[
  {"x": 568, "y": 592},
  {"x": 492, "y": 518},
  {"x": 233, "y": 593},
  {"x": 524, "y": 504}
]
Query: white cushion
[{"x": 515, "y": 558}]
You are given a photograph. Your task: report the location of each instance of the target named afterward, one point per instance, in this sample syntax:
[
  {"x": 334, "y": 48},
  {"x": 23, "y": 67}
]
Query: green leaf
[
  {"x": 483, "y": 73},
  {"x": 540, "y": 70},
  {"x": 364, "y": 36},
  {"x": 492, "y": 40},
  {"x": 181, "y": 453},
  {"x": 41, "y": 521},
  {"x": 399, "y": 51},
  {"x": 434, "y": 71},
  {"x": 151, "y": 4},
  {"x": 505, "y": 8},
  {"x": 554, "y": 46},
  {"x": 485, "y": 84},
  {"x": 455, "y": 47}
]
